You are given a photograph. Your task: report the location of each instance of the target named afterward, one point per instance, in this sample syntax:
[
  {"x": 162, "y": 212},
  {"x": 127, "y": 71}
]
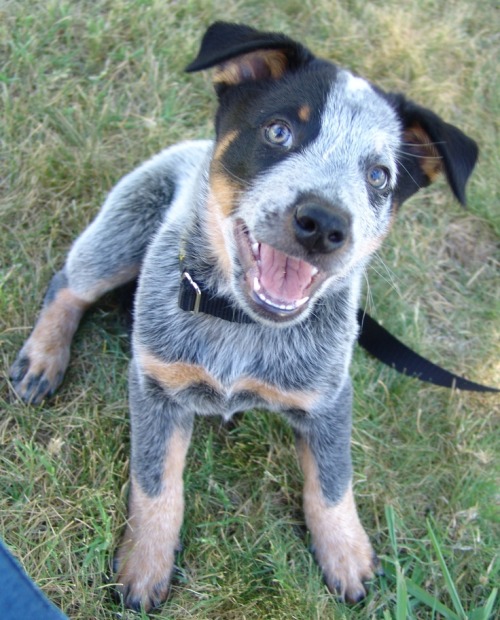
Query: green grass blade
[
  {"x": 391, "y": 526},
  {"x": 401, "y": 596},
  {"x": 486, "y": 612},
  {"x": 446, "y": 574},
  {"x": 490, "y": 603},
  {"x": 431, "y": 601}
]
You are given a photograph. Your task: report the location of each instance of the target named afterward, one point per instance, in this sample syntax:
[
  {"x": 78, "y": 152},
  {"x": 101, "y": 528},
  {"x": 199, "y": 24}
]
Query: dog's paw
[
  {"x": 143, "y": 573},
  {"x": 38, "y": 371},
  {"x": 340, "y": 544},
  {"x": 347, "y": 566}
]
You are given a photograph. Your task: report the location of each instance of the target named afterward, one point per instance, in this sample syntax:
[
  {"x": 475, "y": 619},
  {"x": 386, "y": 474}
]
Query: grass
[{"x": 90, "y": 89}]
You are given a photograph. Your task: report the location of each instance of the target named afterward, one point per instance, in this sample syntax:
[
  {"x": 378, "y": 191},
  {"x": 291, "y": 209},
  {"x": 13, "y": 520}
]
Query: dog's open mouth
[{"x": 275, "y": 282}]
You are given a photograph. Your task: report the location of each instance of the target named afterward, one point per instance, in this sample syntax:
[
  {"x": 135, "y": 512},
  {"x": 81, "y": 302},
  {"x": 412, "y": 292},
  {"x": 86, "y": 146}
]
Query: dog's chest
[{"x": 206, "y": 391}]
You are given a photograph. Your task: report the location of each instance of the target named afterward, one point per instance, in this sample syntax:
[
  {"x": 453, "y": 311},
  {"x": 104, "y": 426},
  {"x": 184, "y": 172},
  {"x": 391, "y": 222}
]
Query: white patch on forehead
[
  {"x": 356, "y": 123},
  {"x": 380, "y": 141},
  {"x": 355, "y": 84}
]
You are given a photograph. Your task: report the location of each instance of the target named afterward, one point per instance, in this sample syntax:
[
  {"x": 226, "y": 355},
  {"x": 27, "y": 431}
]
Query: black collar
[{"x": 196, "y": 298}]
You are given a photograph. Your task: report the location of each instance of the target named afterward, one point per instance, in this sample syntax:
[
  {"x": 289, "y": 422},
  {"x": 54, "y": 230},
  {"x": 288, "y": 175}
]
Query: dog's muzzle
[{"x": 279, "y": 285}]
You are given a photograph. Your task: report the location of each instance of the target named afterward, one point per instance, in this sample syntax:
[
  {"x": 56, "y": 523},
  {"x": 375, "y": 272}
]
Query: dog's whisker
[
  {"x": 383, "y": 271},
  {"x": 234, "y": 176},
  {"x": 409, "y": 174},
  {"x": 416, "y": 156},
  {"x": 424, "y": 144},
  {"x": 369, "y": 304}
]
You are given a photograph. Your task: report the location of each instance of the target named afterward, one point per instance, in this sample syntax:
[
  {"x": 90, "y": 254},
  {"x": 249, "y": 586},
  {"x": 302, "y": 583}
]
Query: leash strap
[
  {"x": 388, "y": 349},
  {"x": 374, "y": 338}
]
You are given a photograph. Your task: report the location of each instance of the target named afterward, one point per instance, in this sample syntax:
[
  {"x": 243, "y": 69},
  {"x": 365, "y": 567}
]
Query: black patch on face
[{"x": 250, "y": 107}]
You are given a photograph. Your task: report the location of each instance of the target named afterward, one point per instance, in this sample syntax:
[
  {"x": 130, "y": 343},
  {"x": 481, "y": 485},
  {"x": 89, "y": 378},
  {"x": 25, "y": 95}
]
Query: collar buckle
[{"x": 197, "y": 292}]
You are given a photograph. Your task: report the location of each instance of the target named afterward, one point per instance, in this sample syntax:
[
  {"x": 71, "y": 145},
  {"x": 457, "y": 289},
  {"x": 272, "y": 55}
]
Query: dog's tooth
[
  {"x": 269, "y": 302},
  {"x": 314, "y": 271},
  {"x": 256, "y": 249}
]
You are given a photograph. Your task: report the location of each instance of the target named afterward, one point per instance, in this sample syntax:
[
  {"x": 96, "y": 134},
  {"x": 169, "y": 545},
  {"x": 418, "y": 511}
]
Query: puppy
[{"x": 250, "y": 252}]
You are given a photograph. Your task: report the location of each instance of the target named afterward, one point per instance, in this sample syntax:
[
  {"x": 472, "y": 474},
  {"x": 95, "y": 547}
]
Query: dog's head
[{"x": 310, "y": 164}]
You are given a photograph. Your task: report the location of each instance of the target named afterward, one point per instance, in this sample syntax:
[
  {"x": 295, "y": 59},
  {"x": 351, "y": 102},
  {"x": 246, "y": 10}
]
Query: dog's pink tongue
[{"x": 282, "y": 277}]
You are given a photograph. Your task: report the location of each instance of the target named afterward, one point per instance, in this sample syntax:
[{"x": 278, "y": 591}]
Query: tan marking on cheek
[
  {"x": 146, "y": 555},
  {"x": 275, "y": 396},
  {"x": 341, "y": 545},
  {"x": 224, "y": 189},
  {"x": 224, "y": 142},
  {"x": 176, "y": 376},
  {"x": 215, "y": 224},
  {"x": 221, "y": 203},
  {"x": 305, "y": 113}
]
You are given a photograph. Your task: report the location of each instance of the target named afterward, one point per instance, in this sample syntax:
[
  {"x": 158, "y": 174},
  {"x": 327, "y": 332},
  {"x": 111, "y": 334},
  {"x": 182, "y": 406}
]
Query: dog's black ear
[
  {"x": 243, "y": 54},
  {"x": 430, "y": 147}
]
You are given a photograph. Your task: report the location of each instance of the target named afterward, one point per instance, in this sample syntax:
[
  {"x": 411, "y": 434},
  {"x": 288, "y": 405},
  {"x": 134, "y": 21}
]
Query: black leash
[
  {"x": 388, "y": 349},
  {"x": 374, "y": 338}
]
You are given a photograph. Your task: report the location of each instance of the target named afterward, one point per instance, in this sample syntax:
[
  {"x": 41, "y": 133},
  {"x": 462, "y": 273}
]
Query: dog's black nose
[{"x": 319, "y": 228}]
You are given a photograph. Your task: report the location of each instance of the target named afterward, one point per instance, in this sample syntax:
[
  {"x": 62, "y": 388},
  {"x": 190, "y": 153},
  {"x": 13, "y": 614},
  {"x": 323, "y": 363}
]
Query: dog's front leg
[
  {"x": 161, "y": 434},
  {"x": 341, "y": 545}
]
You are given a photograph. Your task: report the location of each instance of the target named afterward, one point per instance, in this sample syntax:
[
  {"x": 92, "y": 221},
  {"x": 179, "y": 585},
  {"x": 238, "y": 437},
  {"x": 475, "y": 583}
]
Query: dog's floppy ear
[
  {"x": 243, "y": 54},
  {"x": 430, "y": 147}
]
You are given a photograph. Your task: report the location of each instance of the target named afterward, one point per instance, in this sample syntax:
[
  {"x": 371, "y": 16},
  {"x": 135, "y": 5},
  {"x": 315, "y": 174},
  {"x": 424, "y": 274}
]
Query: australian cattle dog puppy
[{"x": 249, "y": 252}]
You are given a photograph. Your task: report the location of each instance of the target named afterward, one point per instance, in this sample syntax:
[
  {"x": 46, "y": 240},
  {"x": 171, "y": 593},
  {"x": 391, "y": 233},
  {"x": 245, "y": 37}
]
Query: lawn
[{"x": 88, "y": 90}]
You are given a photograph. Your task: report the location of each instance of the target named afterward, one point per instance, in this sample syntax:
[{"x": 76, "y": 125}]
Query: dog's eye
[
  {"x": 378, "y": 177},
  {"x": 279, "y": 133}
]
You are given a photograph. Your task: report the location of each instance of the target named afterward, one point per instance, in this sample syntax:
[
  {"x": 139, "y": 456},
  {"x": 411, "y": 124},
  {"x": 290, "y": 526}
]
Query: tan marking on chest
[
  {"x": 176, "y": 376},
  {"x": 179, "y": 376},
  {"x": 295, "y": 399}
]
